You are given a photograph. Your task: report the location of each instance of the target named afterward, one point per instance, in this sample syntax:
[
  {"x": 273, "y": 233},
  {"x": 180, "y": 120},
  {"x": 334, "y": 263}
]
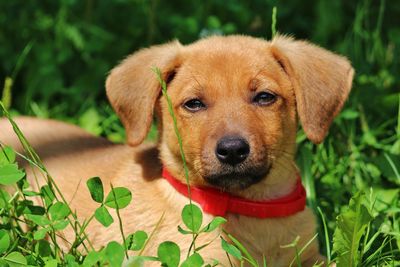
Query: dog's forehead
[
  {"x": 228, "y": 57},
  {"x": 241, "y": 49}
]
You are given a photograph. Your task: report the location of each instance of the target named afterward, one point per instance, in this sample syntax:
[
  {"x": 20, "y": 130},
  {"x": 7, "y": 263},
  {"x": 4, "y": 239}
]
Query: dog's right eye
[
  {"x": 194, "y": 105},
  {"x": 264, "y": 98}
]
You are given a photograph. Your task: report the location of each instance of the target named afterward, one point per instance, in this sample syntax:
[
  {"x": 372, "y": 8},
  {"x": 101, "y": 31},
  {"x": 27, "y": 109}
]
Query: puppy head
[{"x": 236, "y": 100}]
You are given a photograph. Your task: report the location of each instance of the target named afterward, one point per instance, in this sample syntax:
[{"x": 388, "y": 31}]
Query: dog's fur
[{"x": 224, "y": 73}]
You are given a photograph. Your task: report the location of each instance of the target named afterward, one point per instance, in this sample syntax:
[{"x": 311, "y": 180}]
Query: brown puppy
[{"x": 236, "y": 100}]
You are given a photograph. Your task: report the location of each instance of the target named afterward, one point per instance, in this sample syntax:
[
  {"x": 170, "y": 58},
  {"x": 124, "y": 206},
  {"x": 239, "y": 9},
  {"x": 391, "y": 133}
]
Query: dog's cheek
[
  {"x": 289, "y": 124},
  {"x": 190, "y": 129},
  {"x": 270, "y": 131},
  {"x": 188, "y": 132},
  {"x": 282, "y": 129},
  {"x": 168, "y": 135}
]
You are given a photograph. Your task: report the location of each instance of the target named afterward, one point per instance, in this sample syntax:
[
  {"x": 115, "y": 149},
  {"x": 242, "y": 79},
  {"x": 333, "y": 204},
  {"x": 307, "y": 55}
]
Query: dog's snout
[{"x": 232, "y": 150}]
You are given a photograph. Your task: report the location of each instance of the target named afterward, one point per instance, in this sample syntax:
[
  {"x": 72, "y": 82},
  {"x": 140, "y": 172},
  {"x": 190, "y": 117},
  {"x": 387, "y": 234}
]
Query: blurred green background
[{"x": 55, "y": 56}]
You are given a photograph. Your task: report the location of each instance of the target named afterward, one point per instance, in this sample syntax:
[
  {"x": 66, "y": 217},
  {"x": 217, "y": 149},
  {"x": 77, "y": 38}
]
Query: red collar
[{"x": 219, "y": 203}]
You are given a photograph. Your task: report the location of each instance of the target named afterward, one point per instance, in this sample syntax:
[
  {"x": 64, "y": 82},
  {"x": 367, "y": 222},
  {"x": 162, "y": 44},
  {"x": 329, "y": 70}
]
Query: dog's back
[
  {"x": 49, "y": 137},
  {"x": 67, "y": 151}
]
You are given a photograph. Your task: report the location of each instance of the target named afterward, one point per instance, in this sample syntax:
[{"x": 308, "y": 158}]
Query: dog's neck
[
  {"x": 279, "y": 182},
  {"x": 218, "y": 203}
]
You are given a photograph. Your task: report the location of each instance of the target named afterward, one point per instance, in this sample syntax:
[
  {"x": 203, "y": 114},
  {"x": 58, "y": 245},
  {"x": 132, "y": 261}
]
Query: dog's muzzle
[
  {"x": 237, "y": 179},
  {"x": 235, "y": 170}
]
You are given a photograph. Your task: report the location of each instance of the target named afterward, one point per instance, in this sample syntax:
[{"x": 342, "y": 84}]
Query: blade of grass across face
[
  {"x": 163, "y": 85},
  {"x": 171, "y": 112}
]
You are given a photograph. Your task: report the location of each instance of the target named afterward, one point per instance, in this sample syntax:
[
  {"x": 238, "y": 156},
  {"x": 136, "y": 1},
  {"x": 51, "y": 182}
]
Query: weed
[{"x": 361, "y": 152}]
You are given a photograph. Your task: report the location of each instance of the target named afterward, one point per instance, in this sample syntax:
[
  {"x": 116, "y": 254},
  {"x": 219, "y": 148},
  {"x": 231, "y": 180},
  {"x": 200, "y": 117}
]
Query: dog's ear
[
  {"x": 321, "y": 81},
  {"x": 132, "y": 87}
]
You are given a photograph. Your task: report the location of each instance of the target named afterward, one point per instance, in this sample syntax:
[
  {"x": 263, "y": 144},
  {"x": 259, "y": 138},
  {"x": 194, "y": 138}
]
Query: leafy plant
[
  {"x": 351, "y": 226},
  {"x": 56, "y": 68}
]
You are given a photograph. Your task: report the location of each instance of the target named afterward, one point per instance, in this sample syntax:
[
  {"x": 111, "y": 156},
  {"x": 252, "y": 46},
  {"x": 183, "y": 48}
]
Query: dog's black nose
[{"x": 232, "y": 150}]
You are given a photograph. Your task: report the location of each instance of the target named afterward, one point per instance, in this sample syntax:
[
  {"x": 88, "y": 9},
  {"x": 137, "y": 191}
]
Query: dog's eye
[
  {"x": 264, "y": 98},
  {"x": 194, "y": 105}
]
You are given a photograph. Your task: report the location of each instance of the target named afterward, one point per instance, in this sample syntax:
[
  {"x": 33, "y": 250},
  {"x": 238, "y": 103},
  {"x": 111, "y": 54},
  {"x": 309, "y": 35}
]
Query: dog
[{"x": 238, "y": 101}]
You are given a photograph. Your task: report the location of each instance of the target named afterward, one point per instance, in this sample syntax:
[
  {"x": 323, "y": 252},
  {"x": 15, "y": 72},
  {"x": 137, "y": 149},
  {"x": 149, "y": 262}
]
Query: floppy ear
[
  {"x": 321, "y": 81},
  {"x": 132, "y": 87}
]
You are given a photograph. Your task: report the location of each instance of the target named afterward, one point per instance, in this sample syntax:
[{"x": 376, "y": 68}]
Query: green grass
[{"x": 360, "y": 158}]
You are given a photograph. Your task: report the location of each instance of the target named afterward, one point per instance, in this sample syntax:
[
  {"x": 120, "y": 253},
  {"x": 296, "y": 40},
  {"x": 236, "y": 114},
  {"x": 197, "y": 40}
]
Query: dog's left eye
[
  {"x": 194, "y": 105},
  {"x": 264, "y": 98}
]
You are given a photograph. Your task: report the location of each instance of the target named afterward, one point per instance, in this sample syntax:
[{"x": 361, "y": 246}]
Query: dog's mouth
[{"x": 237, "y": 179}]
